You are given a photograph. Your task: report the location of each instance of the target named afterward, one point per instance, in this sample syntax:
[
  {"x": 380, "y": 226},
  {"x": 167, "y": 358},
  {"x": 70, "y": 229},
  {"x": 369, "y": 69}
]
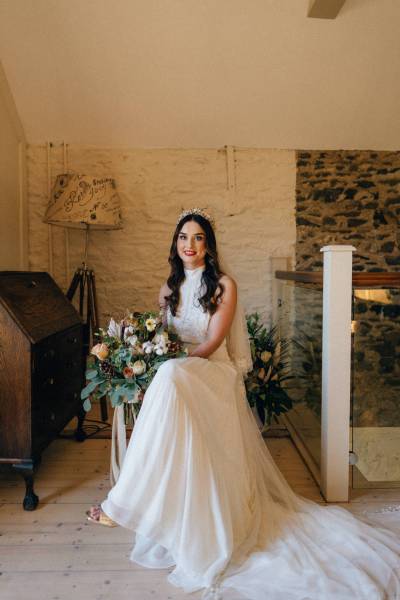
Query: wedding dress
[{"x": 206, "y": 500}]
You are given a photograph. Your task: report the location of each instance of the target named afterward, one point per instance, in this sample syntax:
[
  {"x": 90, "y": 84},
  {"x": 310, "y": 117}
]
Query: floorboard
[{"x": 53, "y": 553}]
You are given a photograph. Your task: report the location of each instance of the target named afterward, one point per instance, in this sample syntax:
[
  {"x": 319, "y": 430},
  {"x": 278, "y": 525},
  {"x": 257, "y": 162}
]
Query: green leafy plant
[
  {"x": 270, "y": 369},
  {"x": 308, "y": 380}
]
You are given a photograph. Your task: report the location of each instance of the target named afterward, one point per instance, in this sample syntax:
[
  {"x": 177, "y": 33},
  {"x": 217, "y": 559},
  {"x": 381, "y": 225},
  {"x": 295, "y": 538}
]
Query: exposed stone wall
[
  {"x": 353, "y": 197},
  {"x": 348, "y": 197},
  {"x": 254, "y": 224},
  {"x": 376, "y": 359}
]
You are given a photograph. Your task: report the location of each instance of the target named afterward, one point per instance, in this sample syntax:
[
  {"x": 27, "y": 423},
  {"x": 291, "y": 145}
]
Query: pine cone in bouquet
[
  {"x": 174, "y": 346},
  {"x": 107, "y": 368}
]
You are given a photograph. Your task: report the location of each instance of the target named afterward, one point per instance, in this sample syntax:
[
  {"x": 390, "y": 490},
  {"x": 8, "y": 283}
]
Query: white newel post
[{"x": 336, "y": 370}]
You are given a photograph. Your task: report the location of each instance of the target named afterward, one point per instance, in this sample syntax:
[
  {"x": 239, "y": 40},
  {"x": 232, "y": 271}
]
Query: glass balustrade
[
  {"x": 300, "y": 321},
  {"x": 375, "y": 398}
]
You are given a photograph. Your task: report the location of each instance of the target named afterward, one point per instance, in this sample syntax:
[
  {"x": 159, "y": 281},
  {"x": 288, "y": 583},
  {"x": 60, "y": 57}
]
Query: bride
[{"x": 198, "y": 484}]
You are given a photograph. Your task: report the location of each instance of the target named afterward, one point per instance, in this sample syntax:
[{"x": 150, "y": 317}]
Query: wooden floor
[{"x": 53, "y": 553}]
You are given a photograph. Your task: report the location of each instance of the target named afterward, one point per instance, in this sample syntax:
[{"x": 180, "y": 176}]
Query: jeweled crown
[{"x": 196, "y": 211}]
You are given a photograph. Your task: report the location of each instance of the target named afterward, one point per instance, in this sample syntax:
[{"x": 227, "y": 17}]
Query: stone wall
[
  {"x": 348, "y": 197},
  {"x": 353, "y": 197},
  {"x": 255, "y": 221}
]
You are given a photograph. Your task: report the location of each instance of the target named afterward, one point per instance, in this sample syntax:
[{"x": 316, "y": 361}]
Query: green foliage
[
  {"x": 270, "y": 369},
  {"x": 308, "y": 383}
]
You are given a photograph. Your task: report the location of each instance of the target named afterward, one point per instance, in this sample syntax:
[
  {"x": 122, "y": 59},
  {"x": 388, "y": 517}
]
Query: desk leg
[
  {"x": 80, "y": 434},
  {"x": 26, "y": 469}
]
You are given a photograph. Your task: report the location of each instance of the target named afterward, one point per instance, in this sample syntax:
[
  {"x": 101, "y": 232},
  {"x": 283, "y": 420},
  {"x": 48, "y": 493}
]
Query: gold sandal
[{"x": 102, "y": 520}]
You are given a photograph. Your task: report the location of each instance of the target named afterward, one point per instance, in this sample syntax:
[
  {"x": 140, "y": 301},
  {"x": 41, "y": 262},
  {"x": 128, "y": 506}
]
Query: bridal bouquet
[{"x": 127, "y": 357}]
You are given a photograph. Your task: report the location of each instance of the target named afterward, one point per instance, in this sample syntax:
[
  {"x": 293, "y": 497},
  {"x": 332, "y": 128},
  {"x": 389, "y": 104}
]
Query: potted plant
[{"x": 270, "y": 369}]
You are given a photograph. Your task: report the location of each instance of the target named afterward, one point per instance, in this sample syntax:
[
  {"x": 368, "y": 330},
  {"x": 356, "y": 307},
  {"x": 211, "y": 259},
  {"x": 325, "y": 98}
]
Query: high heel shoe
[{"x": 102, "y": 520}]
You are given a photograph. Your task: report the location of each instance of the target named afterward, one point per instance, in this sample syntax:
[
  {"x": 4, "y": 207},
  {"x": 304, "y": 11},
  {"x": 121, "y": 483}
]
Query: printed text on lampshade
[{"x": 82, "y": 200}]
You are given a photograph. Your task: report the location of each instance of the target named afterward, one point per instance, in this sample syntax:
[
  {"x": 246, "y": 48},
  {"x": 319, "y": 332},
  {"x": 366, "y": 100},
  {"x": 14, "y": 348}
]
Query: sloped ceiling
[{"x": 204, "y": 73}]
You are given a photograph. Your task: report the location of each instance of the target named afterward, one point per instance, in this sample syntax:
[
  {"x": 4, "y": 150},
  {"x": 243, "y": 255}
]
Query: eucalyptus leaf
[
  {"x": 88, "y": 390},
  {"x": 87, "y": 405},
  {"x": 91, "y": 373}
]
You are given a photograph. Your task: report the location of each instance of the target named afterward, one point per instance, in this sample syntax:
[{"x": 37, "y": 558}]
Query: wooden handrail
[{"x": 360, "y": 279}]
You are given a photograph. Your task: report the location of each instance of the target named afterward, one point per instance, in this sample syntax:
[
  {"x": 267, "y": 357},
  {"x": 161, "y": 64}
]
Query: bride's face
[{"x": 191, "y": 245}]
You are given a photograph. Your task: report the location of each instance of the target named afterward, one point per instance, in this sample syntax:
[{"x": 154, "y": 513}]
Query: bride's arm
[{"x": 220, "y": 321}]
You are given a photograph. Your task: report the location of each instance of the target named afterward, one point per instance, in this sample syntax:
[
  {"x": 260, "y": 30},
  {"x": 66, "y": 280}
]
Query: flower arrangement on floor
[
  {"x": 127, "y": 357},
  {"x": 270, "y": 369}
]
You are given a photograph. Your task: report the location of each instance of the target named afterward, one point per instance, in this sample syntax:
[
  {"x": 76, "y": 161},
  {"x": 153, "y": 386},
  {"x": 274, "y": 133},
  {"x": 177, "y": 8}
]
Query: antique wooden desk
[{"x": 41, "y": 370}]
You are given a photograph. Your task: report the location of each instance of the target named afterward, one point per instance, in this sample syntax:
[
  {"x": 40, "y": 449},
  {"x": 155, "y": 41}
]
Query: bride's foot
[{"x": 96, "y": 515}]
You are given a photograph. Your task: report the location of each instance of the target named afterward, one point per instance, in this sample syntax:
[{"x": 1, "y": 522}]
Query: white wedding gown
[{"x": 203, "y": 494}]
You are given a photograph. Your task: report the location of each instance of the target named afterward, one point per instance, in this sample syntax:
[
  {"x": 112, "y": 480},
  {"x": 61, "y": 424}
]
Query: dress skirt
[{"x": 203, "y": 495}]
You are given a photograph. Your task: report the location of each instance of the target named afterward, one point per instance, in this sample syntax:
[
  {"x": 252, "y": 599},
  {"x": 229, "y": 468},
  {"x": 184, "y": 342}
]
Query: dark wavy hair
[{"x": 210, "y": 276}]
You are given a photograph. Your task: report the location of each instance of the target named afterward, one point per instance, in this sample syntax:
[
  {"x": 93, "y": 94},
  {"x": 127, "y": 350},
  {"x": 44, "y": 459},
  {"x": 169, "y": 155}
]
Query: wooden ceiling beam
[{"x": 324, "y": 9}]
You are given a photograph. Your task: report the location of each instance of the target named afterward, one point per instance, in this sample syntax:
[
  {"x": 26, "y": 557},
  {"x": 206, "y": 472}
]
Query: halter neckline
[{"x": 192, "y": 272}]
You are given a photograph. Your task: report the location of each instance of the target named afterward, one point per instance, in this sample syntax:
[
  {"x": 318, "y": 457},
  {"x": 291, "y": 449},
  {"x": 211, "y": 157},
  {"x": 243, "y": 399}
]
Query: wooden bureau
[{"x": 41, "y": 370}]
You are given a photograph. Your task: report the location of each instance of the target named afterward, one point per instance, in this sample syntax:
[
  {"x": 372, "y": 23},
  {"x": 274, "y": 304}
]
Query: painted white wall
[
  {"x": 13, "y": 223},
  {"x": 253, "y": 224},
  {"x": 151, "y": 73}
]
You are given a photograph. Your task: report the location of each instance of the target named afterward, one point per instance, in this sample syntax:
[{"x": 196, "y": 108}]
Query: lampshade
[{"x": 82, "y": 200}]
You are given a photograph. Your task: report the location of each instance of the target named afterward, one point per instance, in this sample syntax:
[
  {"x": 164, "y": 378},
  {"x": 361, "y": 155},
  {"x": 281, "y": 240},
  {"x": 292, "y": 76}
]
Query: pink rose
[
  {"x": 100, "y": 350},
  {"x": 128, "y": 372}
]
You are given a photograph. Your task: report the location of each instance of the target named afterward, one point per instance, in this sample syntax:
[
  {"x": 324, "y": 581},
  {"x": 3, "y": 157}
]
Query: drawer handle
[
  {"x": 73, "y": 340},
  {"x": 32, "y": 283}
]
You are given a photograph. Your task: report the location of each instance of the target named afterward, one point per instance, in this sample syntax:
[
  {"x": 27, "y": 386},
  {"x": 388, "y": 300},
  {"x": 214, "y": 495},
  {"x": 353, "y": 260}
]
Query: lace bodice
[{"x": 191, "y": 322}]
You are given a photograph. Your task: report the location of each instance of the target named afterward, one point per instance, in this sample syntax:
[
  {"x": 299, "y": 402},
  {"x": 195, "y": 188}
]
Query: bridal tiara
[{"x": 196, "y": 211}]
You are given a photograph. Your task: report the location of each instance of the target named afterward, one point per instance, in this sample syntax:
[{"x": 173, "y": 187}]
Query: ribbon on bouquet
[{"x": 118, "y": 443}]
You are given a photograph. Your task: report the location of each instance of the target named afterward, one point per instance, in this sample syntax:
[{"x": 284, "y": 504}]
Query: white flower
[
  {"x": 128, "y": 331},
  {"x": 160, "y": 351},
  {"x": 148, "y": 347},
  {"x": 114, "y": 329},
  {"x": 150, "y": 324},
  {"x": 131, "y": 340},
  {"x": 139, "y": 367}
]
